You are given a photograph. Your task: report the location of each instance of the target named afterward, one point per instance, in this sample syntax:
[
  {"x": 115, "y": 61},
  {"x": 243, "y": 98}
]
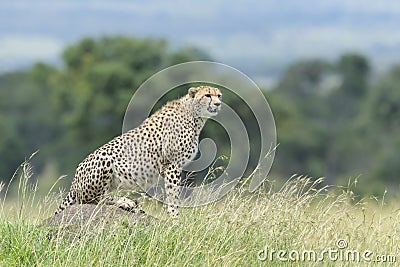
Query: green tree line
[
  {"x": 335, "y": 120},
  {"x": 332, "y": 119}
]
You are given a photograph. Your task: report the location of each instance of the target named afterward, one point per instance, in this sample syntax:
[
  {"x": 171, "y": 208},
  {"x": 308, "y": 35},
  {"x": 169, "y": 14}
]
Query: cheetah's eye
[
  {"x": 219, "y": 95},
  {"x": 207, "y": 95}
]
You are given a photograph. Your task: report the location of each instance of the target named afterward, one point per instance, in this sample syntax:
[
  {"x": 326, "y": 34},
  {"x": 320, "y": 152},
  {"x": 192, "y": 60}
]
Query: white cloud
[
  {"x": 17, "y": 51},
  {"x": 285, "y": 45},
  {"x": 269, "y": 31},
  {"x": 175, "y": 7},
  {"x": 370, "y": 6}
]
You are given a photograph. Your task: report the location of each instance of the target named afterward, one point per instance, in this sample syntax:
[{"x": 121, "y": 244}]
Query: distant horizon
[{"x": 260, "y": 38}]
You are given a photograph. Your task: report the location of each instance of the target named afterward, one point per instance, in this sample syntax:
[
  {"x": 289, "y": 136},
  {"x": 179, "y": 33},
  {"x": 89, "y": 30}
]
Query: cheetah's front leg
[{"x": 172, "y": 181}]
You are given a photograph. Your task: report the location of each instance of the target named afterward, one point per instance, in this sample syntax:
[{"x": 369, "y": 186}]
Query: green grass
[{"x": 236, "y": 231}]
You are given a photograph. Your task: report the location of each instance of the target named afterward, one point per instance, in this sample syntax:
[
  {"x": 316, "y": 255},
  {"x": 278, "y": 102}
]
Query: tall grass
[{"x": 268, "y": 228}]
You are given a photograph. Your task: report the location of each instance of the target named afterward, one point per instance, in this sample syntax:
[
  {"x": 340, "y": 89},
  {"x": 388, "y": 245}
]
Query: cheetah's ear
[{"x": 192, "y": 91}]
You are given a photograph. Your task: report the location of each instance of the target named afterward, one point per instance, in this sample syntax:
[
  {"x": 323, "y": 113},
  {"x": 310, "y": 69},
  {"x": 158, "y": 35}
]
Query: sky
[{"x": 257, "y": 37}]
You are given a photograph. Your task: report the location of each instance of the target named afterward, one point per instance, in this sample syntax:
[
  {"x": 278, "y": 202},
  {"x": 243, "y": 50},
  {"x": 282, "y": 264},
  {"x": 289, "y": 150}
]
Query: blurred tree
[
  {"x": 354, "y": 69},
  {"x": 339, "y": 131},
  {"x": 301, "y": 139},
  {"x": 11, "y": 149},
  {"x": 298, "y": 103},
  {"x": 93, "y": 91},
  {"x": 345, "y": 100},
  {"x": 303, "y": 78},
  {"x": 26, "y": 117},
  {"x": 383, "y": 104},
  {"x": 68, "y": 112},
  {"x": 344, "y": 104},
  {"x": 380, "y": 123}
]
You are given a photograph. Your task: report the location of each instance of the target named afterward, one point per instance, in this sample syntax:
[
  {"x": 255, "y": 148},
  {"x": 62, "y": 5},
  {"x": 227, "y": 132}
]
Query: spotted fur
[{"x": 159, "y": 147}]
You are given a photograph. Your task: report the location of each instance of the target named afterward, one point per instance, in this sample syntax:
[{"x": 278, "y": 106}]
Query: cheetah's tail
[{"x": 69, "y": 200}]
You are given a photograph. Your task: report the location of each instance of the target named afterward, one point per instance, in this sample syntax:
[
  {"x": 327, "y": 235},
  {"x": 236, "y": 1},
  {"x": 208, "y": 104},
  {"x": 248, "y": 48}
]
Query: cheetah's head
[{"x": 207, "y": 99}]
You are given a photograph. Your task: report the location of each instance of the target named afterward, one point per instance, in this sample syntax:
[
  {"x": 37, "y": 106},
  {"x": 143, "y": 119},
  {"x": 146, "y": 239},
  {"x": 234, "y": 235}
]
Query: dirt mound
[{"x": 81, "y": 219}]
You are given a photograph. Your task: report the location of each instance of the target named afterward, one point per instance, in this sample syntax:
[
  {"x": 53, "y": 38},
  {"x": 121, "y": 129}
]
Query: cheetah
[{"x": 157, "y": 149}]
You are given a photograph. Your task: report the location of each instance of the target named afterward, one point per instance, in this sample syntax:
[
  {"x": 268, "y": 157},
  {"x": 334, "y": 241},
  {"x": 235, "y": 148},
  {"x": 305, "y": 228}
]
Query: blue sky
[{"x": 259, "y": 37}]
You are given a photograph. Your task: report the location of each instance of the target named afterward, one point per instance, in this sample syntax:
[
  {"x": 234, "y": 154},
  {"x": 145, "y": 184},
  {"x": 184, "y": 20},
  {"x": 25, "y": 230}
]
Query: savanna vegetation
[{"x": 302, "y": 223}]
